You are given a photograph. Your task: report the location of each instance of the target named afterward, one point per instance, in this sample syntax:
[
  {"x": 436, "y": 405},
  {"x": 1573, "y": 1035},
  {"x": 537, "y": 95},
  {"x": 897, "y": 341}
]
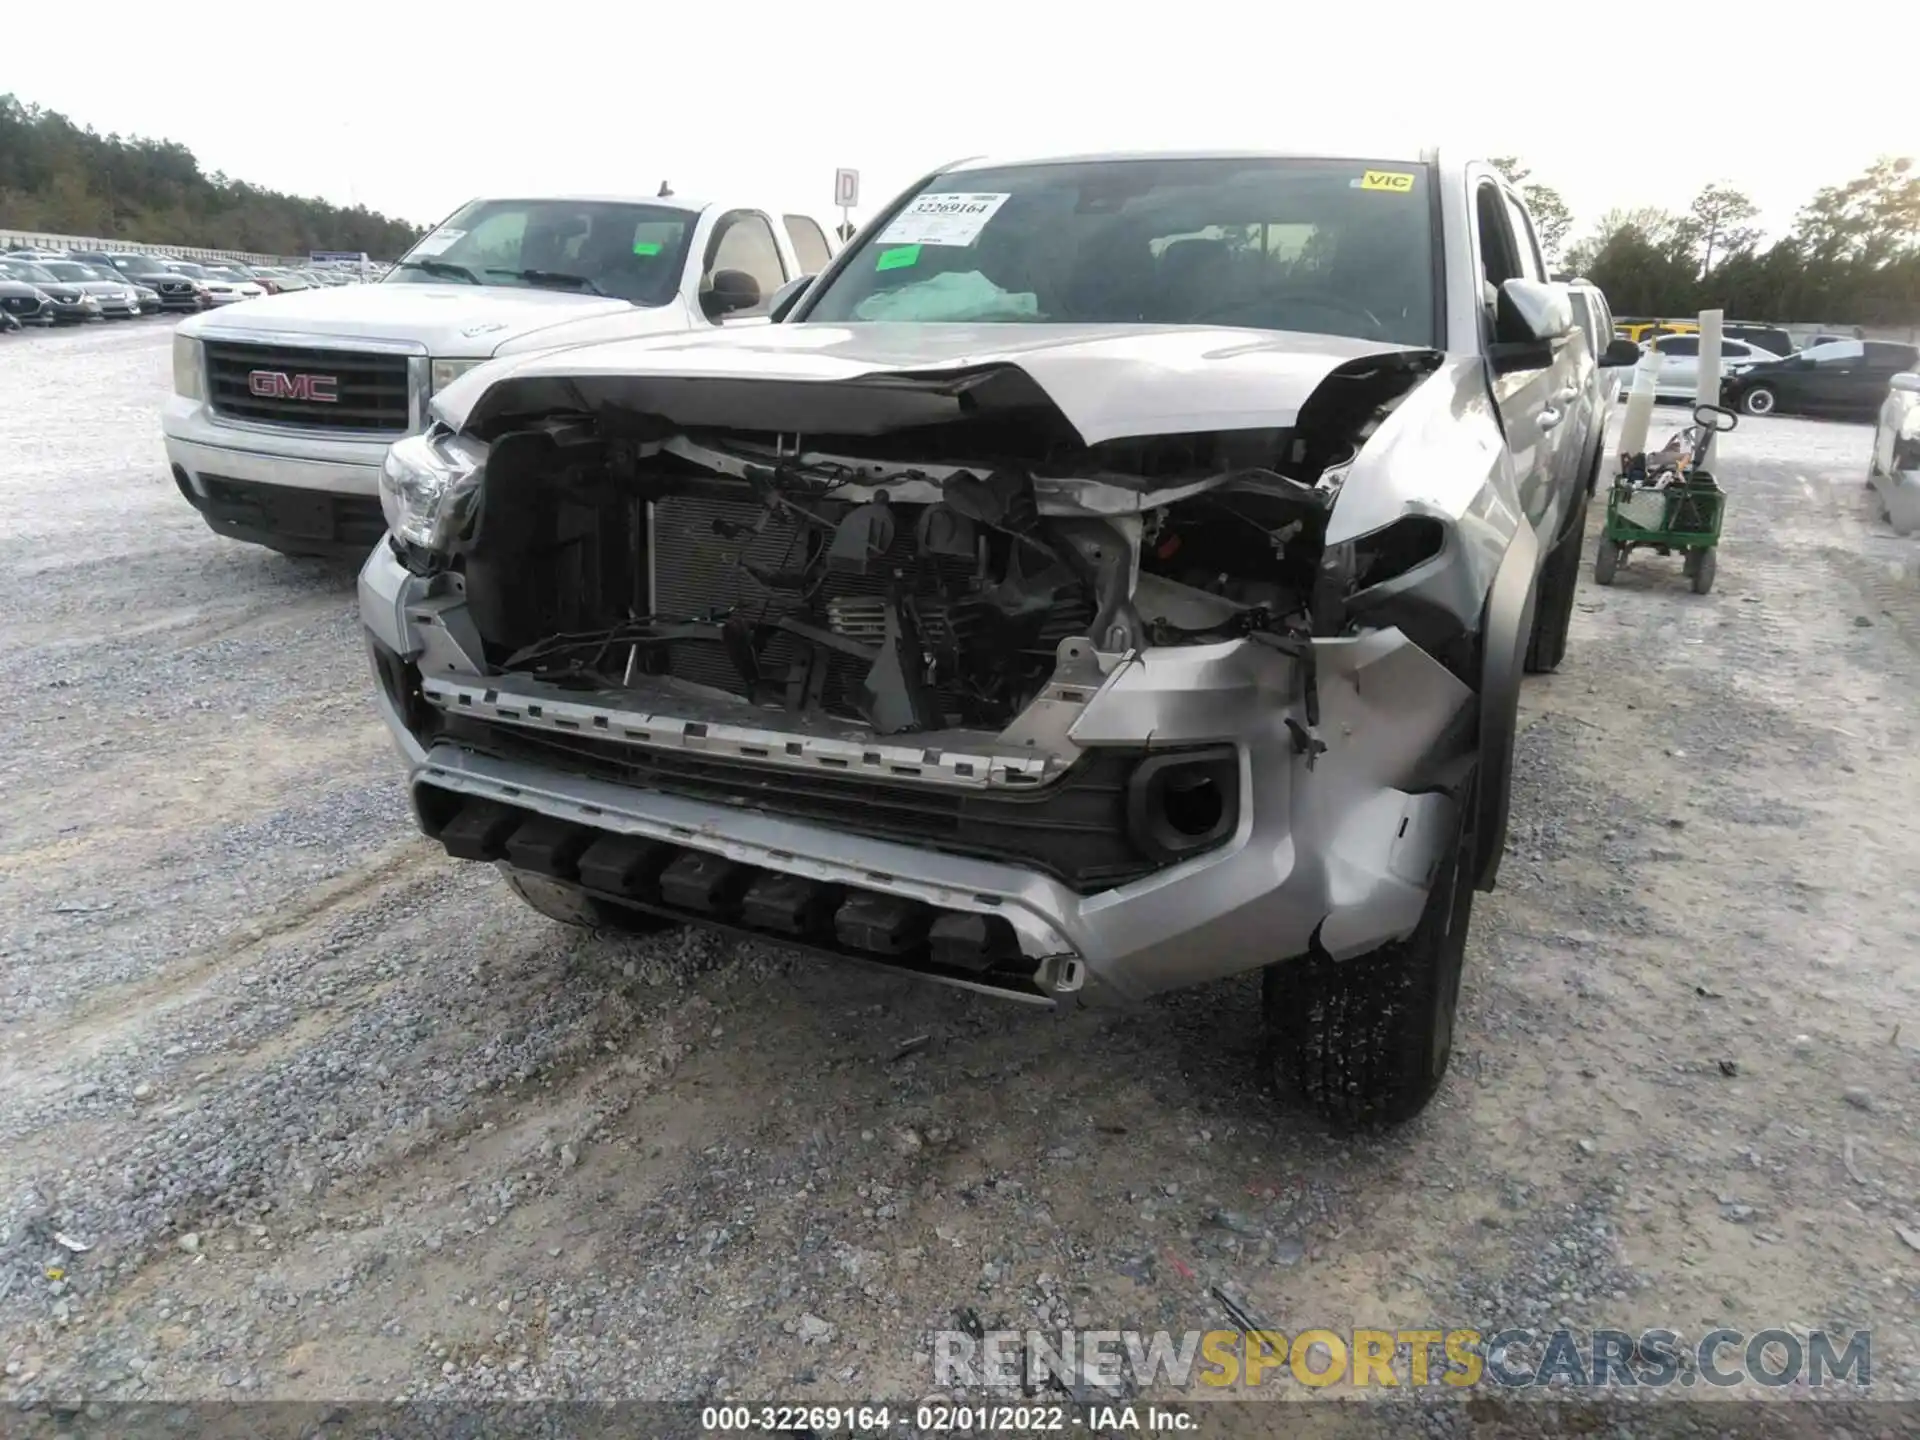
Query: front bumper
[
  {"x": 289, "y": 489},
  {"x": 75, "y": 312},
  {"x": 1336, "y": 856},
  {"x": 1900, "y": 493}
]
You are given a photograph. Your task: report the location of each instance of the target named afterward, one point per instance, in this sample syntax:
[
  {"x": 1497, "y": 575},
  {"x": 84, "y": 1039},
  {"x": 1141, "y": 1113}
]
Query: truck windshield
[
  {"x": 1326, "y": 247},
  {"x": 633, "y": 252}
]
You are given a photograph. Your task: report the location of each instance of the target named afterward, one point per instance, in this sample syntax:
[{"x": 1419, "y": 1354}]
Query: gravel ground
[{"x": 339, "y": 1119}]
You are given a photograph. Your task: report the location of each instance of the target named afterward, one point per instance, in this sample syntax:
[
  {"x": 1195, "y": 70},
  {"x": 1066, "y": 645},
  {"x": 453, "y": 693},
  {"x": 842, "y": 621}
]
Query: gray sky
[{"x": 414, "y": 110}]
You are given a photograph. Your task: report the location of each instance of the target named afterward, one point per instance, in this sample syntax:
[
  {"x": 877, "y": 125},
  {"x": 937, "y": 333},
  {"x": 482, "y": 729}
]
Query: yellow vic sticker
[{"x": 1386, "y": 180}]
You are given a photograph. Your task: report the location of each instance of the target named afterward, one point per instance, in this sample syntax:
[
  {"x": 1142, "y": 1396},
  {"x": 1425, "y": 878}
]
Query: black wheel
[
  {"x": 570, "y": 905},
  {"x": 1700, "y": 568},
  {"x": 1758, "y": 401},
  {"x": 1553, "y": 611},
  {"x": 1365, "y": 1041},
  {"x": 1606, "y": 563}
]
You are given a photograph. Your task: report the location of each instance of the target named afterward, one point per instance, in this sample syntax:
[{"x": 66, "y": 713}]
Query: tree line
[
  {"x": 1852, "y": 256},
  {"x": 66, "y": 179}
]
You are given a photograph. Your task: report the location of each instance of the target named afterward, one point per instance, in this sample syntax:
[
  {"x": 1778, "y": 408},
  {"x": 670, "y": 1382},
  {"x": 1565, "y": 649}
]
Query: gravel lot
[{"x": 339, "y": 1119}]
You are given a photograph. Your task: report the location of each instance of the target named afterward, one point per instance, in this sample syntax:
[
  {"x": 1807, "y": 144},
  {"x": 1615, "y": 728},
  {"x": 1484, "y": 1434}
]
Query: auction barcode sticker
[{"x": 942, "y": 220}]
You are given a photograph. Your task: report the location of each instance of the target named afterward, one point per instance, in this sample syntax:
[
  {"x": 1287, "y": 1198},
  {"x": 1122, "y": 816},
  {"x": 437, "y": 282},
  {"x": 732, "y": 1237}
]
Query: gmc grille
[{"x": 372, "y": 389}]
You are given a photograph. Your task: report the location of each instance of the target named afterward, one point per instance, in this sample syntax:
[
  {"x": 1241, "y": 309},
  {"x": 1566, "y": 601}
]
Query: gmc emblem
[{"x": 275, "y": 385}]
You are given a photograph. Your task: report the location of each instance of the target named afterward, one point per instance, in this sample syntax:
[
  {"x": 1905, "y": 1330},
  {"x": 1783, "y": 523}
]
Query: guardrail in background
[{"x": 40, "y": 240}]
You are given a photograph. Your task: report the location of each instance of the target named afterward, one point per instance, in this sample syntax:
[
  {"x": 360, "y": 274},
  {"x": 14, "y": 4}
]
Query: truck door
[{"x": 1534, "y": 403}]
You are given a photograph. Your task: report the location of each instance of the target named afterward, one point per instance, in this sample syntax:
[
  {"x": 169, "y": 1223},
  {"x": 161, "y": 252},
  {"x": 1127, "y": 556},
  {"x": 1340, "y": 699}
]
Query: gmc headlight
[
  {"x": 428, "y": 486},
  {"x": 186, "y": 368},
  {"x": 445, "y": 372}
]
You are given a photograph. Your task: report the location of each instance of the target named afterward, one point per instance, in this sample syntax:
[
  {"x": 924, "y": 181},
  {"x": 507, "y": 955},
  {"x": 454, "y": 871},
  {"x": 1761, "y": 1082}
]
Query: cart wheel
[
  {"x": 1702, "y": 573},
  {"x": 1691, "y": 564},
  {"x": 1606, "y": 563}
]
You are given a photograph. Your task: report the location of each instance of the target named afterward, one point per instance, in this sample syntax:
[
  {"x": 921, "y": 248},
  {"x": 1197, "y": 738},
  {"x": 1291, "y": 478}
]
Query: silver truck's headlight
[
  {"x": 428, "y": 485},
  {"x": 445, "y": 372},
  {"x": 186, "y": 368}
]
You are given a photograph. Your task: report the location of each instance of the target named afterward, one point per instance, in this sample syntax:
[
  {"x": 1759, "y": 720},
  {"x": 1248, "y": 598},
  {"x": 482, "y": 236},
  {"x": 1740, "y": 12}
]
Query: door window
[
  {"x": 809, "y": 244},
  {"x": 1527, "y": 245},
  {"x": 745, "y": 243}
]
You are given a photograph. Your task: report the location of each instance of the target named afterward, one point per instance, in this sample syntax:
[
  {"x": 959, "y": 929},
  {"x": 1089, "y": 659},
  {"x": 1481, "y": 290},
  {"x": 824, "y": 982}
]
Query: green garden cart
[{"x": 1668, "y": 502}]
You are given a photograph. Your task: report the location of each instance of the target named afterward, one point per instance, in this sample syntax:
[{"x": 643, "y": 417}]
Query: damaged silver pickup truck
[{"x": 1111, "y": 574}]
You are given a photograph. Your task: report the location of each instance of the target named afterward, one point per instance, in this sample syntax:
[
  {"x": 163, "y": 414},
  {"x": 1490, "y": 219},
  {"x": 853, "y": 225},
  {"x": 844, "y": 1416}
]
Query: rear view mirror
[
  {"x": 1715, "y": 417},
  {"x": 1620, "y": 352}
]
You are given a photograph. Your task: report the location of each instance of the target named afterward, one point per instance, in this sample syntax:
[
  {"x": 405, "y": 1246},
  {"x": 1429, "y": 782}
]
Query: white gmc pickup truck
[{"x": 283, "y": 407}]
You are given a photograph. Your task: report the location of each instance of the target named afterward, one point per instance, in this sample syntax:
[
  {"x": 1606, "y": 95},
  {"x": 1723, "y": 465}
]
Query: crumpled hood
[
  {"x": 450, "y": 320},
  {"x": 1109, "y": 381}
]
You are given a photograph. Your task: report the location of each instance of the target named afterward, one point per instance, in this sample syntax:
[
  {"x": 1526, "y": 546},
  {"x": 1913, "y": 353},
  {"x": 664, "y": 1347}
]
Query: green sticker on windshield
[
  {"x": 898, "y": 258},
  {"x": 646, "y": 247}
]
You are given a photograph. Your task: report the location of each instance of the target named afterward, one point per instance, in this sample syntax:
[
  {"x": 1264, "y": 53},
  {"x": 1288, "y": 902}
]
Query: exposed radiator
[{"x": 698, "y": 574}]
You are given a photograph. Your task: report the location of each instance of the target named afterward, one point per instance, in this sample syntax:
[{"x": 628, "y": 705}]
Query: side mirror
[
  {"x": 729, "y": 291},
  {"x": 787, "y": 296},
  {"x": 1534, "y": 310},
  {"x": 1907, "y": 380},
  {"x": 1528, "y": 317},
  {"x": 1620, "y": 352}
]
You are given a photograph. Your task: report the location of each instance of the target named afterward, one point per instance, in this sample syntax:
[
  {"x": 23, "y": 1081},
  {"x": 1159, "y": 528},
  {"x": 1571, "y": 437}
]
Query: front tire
[
  {"x": 570, "y": 905},
  {"x": 1759, "y": 401},
  {"x": 1365, "y": 1041}
]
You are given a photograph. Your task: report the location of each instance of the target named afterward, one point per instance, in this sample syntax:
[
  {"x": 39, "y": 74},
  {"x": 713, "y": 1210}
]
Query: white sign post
[
  {"x": 846, "y": 194},
  {"x": 1706, "y": 389}
]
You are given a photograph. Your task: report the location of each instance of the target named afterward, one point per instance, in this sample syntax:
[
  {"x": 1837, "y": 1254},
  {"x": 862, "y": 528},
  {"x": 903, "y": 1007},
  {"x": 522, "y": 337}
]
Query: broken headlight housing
[{"x": 428, "y": 486}]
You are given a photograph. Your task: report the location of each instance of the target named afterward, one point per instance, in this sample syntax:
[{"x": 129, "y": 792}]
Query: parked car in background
[
  {"x": 114, "y": 291},
  {"x": 1595, "y": 319},
  {"x": 1762, "y": 337},
  {"x": 1894, "y": 469},
  {"x": 1679, "y": 375},
  {"x": 224, "y": 286},
  {"x": 1641, "y": 331},
  {"x": 177, "y": 292},
  {"x": 284, "y": 408},
  {"x": 24, "y": 303},
  {"x": 150, "y": 301},
  {"x": 72, "y": 305},
  {"x": 1844, "y": 378}
]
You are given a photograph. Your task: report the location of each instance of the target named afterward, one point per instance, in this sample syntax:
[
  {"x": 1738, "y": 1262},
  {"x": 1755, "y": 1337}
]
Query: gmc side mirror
[
  {"x": 787, "y": 296},
  {"x": 1907, "y": 380},
  {"x": 1620, "y": 352},
  {"x": 729, "y": 291}
]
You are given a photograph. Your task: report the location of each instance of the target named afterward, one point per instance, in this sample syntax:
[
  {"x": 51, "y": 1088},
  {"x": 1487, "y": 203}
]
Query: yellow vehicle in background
[{"x": 1640, "y": 331}]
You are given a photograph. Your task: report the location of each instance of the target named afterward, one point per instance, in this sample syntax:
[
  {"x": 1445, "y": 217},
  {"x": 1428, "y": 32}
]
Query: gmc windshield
[
  {"x": 1316, "y": 246},
  {"x": 633, "y": 252}
]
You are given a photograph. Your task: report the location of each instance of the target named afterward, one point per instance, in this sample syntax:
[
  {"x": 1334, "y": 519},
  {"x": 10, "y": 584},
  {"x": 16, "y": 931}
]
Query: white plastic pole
[
  {"x": 1633, "y": 425},
  {"x": 1706, "y": 390}
]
